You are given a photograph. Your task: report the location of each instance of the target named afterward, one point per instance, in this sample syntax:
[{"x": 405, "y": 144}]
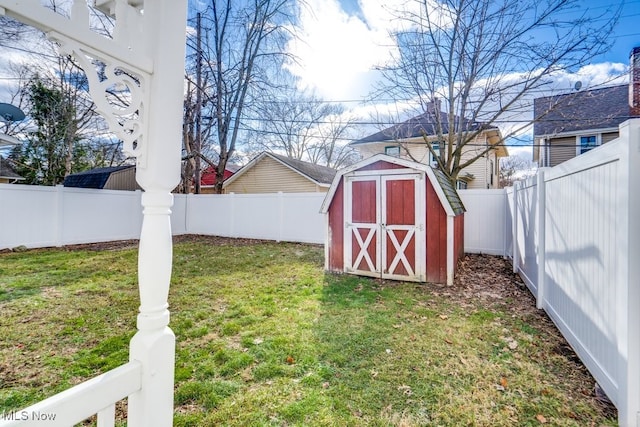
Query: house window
[
  {"x": 436, "y": 148},
  {"x": 461, "y": 185},
  {"x": 587, "y": 143},
  {"x": 491, "y": 172},
  {"x": 393, "y": 151}
]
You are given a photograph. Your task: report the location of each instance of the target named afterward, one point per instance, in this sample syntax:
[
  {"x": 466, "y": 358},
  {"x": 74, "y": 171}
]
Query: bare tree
[
  {"x": 303, "y": 127},
  {"x": 513, "y": 168},
  {"x": 484, "y": 59},
  {"x": 243, "y": 45},
  {"x": 332, "y": 149}
]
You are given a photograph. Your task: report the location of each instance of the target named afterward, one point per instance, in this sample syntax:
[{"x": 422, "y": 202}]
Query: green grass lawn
[{"x": 265, "y": 337}]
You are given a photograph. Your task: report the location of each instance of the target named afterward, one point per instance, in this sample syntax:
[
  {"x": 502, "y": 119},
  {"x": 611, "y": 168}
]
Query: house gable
[
  {"x": 268, "y": 173},
  {"x": 449, "y": 199},
  {"x": 409, "y": 137},
  {"x": 481, "y": 174}
]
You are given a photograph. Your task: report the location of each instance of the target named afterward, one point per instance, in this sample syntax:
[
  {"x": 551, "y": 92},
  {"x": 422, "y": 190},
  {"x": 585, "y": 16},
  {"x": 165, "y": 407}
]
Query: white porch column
[
  {"x": 144, "y": 60},
  {"x": 154, "y": 344}
]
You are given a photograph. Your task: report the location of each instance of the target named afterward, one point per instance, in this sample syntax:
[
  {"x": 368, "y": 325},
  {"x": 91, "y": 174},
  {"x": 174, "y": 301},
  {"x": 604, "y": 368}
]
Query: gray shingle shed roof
[
  {"x": 584, "y": 110},
  {"x": 445, "y": 190},
  {"x": 450, "y": 192}
]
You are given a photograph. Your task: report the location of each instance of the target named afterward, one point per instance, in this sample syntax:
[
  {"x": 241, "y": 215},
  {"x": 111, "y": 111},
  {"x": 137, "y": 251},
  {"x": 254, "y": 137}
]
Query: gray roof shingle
[
  {"x": 584, "y": 110},
  {"x": 414, "y": 127},
  {"x": 93, "y": 178},
  {"x": 321, "y": 174},
  {"x": 6, "y": 170},
  {"x": 450, "y": 192}
]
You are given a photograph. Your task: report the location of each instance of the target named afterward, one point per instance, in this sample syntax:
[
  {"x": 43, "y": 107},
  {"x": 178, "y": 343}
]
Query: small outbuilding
[
  {"x": 109, "y": 178},
  {"x": 394, "y": 219}
]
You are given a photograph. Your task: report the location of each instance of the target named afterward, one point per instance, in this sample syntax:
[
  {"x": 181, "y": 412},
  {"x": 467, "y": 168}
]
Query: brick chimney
[
  {"x": 634, "y": 82},
  {"x": 435, "y": 105}
]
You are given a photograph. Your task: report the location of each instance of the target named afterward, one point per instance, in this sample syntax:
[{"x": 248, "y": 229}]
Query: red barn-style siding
[
  {"x": 335, "y": 252},
  {"x": 393, "y": 218},
  {"x": 458, "y": 242},
  {"x": 436, "y": 238}
]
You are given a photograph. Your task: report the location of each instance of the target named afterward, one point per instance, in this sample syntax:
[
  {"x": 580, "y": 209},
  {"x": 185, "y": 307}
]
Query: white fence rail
[
  {"x": 95, "y": 396},
  {"x": 577, "y": 246}
]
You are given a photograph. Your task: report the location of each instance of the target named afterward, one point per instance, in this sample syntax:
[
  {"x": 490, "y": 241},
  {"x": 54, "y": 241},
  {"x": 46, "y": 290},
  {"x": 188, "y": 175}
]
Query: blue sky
[
  {"x": 626, "y": 35},
  {"x": 343, "y": 40}
]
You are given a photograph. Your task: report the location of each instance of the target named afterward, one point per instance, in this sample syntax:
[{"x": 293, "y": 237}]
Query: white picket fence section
[{"x": 576, "y": 230}]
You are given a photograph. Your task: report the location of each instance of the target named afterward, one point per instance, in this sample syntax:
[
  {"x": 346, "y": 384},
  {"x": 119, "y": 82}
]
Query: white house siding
[
  {"x": 270, "y": 176},
  {"x": 609, "y": 136},
  {"x": 480, "y": 169},
  {"x": 122, "y": 180},
  {"x": 561, "y": 150}
]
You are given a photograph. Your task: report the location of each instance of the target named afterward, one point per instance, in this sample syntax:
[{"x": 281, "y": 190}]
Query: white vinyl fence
[
  {"x": 290, "y": 217},
  {"x": 576, "y": 231},
  {"x": 35, "y": 216},
  {"x": 486, "y": 222}
]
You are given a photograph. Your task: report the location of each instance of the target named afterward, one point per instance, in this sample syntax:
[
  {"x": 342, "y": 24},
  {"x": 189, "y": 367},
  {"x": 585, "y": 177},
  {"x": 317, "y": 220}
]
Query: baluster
[{"x": 107, "y": 416}]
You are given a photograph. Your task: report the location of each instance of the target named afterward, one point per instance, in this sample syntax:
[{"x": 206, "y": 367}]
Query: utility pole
[{"x": 198, "y": 141}]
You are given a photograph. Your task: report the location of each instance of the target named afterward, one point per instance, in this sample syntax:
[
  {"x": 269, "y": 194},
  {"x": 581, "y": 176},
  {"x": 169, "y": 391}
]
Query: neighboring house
[
  {"x": 110, "y": 178},
  {"x": 7, "y": 174},
  {"x": 208, "y": 177},
  {"x": 272, "y": 173},
  {"x": 406, "y": 140},
  {"x": 574, "y": 123}
]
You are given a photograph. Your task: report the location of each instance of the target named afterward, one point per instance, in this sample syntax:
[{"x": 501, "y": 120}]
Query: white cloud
[{"x": 336, "y": 52}]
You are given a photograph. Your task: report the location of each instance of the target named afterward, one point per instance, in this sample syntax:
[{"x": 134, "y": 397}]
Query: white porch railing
[
  {"x": 145, "y": 61},
  {"x": 96, "y": 396}
]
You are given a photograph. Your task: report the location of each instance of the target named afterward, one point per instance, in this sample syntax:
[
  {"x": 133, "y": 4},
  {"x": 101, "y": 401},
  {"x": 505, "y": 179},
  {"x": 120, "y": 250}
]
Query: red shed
[{"x": 395, "y": 219}]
